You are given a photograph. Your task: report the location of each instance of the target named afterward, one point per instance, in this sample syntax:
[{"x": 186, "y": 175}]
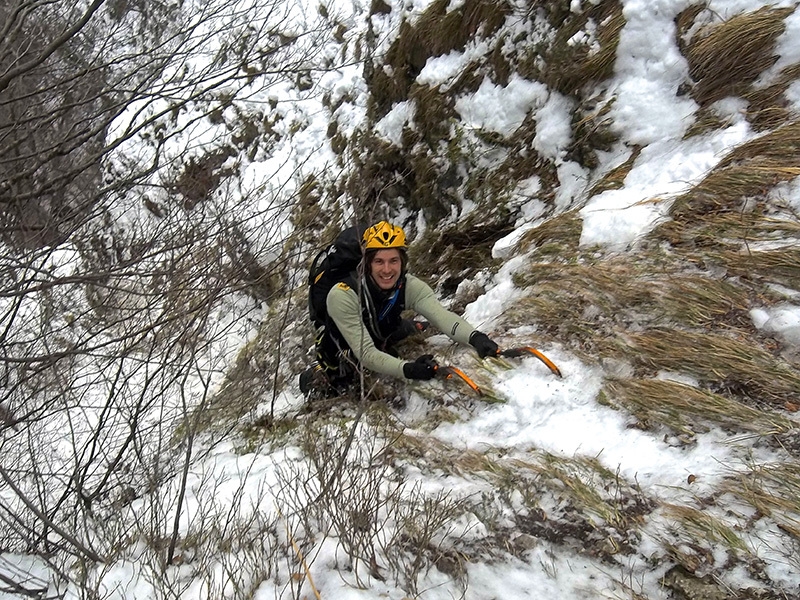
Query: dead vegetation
[
  {"x": 670, "y": 322},
  {"x": 436, "y": 32},
  {"x": 615, "y": 178},
  {"x": 747, "y": 173},
  {"x": 650, "y": 314},
  {"x": 583, "y": 50},
  {"x": 736, "y": 367},
  {"x": 200, "y": 177},
  {"x": 768, "y": 106},
  {"x": 726, "y": 218},
  {"x": 773, "y": 490},
  {"x": 716, "y": 70},
  {"x": 450, "y": 255},
  {"x": 686, "y": 411},
  {"x": 691, "y": 539},
  {"x": 557, "y": 237}
]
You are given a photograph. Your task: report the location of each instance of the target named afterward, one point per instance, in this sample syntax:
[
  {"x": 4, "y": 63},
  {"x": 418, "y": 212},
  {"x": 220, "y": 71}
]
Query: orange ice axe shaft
[
  {"x": 448, "y": 372},
  {"x": 524, "y": 350}
]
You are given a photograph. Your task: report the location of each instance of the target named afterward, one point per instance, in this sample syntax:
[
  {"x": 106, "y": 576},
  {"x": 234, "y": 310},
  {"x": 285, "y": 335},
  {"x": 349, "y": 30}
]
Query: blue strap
[{"x": 389, "y": 304}]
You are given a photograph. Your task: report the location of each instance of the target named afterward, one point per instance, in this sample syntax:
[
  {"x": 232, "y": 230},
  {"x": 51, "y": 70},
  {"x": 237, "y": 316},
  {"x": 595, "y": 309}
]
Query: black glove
[
  {"x": 481, "y": 342},
  {"x": 422, "y": 368}
]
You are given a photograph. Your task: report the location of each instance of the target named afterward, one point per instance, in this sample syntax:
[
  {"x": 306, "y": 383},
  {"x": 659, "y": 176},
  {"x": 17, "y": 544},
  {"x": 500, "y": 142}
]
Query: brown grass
[
  {"x": 615, "y": 178},
  {"x": 571, "y": 67},
  {"x": 592, "y": 132},
  {"x": 645, "y": 314},
  {"x": 725, "y": 58},
  {"x": 685, "y": 21},
  {"x": 687, "y": 410},
  {"x": 768, "y": 107},
  {"x": 782, "y": 147},
  {"x": 726, "y": 230},
  {"x": 698, "y": 528},
  {"x": 459, "y": 251},
  {"x": 726, "y": 187},
  {"x": 588, "y": 487},
  {"x": 749, "y": 171},
  {"x": 781, "y": 266},
  {"x": 434, "y": 113},
  {"x": 773, "y": 490},
  {"x": 523, "y": 162},
  {"x": 436, "y": 32},
  {"x": 706, "y": 119},
  {"x": 617, "y": 292},
  {"x": 735, "y": 367},
  {"x": 558, "y": 236}
]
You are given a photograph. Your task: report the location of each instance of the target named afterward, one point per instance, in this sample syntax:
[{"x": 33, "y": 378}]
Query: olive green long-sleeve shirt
[{"x": 344, "y": 307}]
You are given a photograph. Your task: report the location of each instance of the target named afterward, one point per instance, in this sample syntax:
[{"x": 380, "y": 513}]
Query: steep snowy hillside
[{"x": 614, "y": 182}]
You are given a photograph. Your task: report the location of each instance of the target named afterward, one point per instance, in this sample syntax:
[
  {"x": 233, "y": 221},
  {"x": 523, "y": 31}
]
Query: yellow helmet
[{"x": 384, "y": 235}]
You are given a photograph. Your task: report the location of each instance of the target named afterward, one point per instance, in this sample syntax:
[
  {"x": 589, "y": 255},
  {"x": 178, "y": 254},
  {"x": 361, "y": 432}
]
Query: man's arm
[
  {"x": 420, "y": 298},
  {"x": 345, "y": 310}
]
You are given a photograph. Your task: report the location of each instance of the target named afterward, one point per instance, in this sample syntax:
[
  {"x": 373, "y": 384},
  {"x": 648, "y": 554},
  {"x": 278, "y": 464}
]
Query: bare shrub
[
  {"x": 386, "y": 527},
  {"x": 126, "y": 272}
]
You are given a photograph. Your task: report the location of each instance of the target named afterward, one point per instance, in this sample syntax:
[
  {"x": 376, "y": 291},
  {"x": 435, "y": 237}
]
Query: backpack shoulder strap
[{"x": 316, "y": 271}]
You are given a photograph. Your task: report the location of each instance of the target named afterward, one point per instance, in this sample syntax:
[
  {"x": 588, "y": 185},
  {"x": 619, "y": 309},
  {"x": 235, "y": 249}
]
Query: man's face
[{"x": 385, "y": 268}]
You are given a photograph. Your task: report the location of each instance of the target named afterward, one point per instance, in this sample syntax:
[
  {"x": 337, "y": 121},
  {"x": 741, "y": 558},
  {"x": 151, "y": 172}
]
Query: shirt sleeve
[
  {"x": 421, "y": 299},
  {"x": 345, "y": 310}
]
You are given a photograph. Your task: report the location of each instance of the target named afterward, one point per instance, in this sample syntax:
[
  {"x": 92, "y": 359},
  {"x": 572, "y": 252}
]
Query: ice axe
[
  {"x": 528, "y": 350},
  {"x": 449, "y": 372}
]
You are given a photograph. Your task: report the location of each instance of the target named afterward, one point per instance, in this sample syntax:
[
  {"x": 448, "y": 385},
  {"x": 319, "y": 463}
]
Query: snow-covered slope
[{"x": 571, "y": 179}]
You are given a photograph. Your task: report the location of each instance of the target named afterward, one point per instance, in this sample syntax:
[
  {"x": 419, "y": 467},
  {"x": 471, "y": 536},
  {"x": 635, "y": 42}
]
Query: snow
[
  {"x": 616, "y": 218},
  {"x": 391, "y": 126},
  {"x": 648, "y": 71},
  {"x": 782, "y": 320},
  {"x": 559, "y": 416},
  {"x": 501, "y": 109}
]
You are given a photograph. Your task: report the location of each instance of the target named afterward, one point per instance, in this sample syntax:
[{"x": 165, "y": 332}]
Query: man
[{"x": 363, "y": 318}]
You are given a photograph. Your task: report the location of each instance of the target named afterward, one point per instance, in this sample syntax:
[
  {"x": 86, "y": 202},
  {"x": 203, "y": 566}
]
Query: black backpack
[{"x": 338, "y": 262}]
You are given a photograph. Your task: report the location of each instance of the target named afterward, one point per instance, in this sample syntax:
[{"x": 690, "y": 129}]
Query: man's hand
[
  {"x": 481, "y": 342},
  {"x": 422, "y": 368}
]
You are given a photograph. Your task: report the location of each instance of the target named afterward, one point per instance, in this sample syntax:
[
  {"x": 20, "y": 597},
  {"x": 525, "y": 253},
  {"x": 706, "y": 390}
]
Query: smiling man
[{"x": 364, "y": 321}]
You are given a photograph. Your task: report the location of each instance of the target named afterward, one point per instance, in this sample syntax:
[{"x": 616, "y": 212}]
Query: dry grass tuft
[
  {"x": 449, "y": 255},
  {"x": 593, "y": 132},
  {"x": 781, "y": 266},
  {"x": 727, "y": 187},
  {"x": 779, "y": 147},
  {"x": 579, "y": 303},
  {"x": 725, "y": 230},
  {"x": 698, "y": 528},
  {"x": 598, "y": 302},
  {"x": 706, "y": 119},
  {"x": 436, "y": 455},
  {"x": 686, "y": 410},
  {"x": 523, "y": 162},
  {"x": 615, "y": 178},
  {"x": 726, "y": 58},
  {"x": 727, "y": 365},
  {"x": 749, "y": 171},
  {"x": 437, "y": 32},
  {"x": 699, "y": 301},
  {"x": 557, "y": 237},
  {"x": 685, "y": 22},
  {"x": 589, "y": 488},
  {"x": 773, "y": 490},
  {"x": 653, "y": 319},
  {"x": 768, "y": 107},
  {"x": 434, "y": 113},
  {"x": 570, "y": 66}
]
